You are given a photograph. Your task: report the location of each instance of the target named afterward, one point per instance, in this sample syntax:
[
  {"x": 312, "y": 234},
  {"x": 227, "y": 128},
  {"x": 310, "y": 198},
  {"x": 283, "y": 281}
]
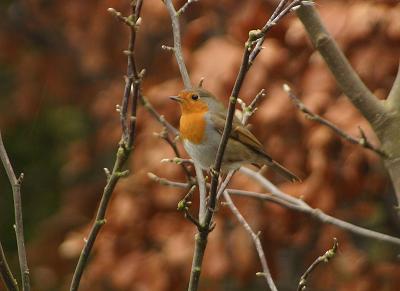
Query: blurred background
[{"x": 61, "y": 75}]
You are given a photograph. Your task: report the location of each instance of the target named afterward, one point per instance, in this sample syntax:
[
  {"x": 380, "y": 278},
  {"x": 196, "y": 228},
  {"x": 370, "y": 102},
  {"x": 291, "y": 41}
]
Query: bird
[{"x": 201, "y": 126}]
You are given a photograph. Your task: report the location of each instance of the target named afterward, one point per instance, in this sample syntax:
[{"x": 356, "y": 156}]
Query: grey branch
[
  {"x": 266, "y": 272},
  {"x": 177, "y": 43},
  {"x": 362, "y": 141},
  {"x": 19, "y": 227},
  {"x": 285, "y": 200},
  {"x": 325, "y": 258},
  {"x": 348, "y": 80}
]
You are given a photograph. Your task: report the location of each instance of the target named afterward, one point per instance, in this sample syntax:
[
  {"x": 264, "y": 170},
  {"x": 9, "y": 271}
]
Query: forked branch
[
  {"x": 19, "y": 227},
  {"x": 325, "y": 258},
  {"x": 128, "y": 124},
  {"x": 361, "y": 141}
]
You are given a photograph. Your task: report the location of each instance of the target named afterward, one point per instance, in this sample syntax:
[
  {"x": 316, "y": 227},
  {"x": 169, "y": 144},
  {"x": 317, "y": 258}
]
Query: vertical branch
[
  {"x": 5, "y": 272},
  {"x": 19, "y": 228},
  {"x": 177, "y": 43},
  {"x": 394, "y": 95},
  {"x": 133, "y": 79},
  {"x": 250, "y": 48},
  {"x": 266, "y": 272}
]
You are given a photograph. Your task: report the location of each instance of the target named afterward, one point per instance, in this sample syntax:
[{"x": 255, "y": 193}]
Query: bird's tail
[
  {"x": 275, "y": 166},
  {"x": 281, "y": 170}
]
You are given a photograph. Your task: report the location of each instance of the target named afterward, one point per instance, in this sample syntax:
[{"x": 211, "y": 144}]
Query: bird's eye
[{"x": 195, "y": 97}]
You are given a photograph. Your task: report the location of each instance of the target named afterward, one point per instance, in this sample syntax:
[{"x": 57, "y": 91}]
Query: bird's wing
[
  {"x": 244, "y": 136},
  {"x": 239, "y": 133}
]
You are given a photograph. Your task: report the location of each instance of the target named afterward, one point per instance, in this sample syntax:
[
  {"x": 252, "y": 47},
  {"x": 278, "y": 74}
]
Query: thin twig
[
  {"x": 177, "y": 43},
  {"x": 362, "y": 141},
  {"x": 160, "y": 118},
  {"x": 166, "y": 182},
  {"x": 5, "y": 273},
  {"x": 128, "y": 124},
  {"x": 255, "y": 237},
  {"x": 325, "y": 258},
  {"x": 172, "y": 142},
  {"x": 19, "y": 227},
  {"x": 278, "y": 14},
  {"x": 285, "y": 200},
  {"x": 185, "y": 6}
]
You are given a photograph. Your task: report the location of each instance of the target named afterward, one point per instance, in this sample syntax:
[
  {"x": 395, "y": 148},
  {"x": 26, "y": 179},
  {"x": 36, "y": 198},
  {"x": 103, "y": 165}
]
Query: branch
[
  {"x": 177, "y": 42},
  {"x": 394, "y": 95},
  {"x": 362, "y": 141},
  {"x": 255, "y": 237},
  {"x": 185, "y": 6},
  {"x": 160, "y": 118},
  {"x": 172, "y": 142},
  {"x": 293, "y": 203},
  {"x": 285, "y": 200},
  {"x": 329, "y": 254},
  {"x": 348, "y": 80},
  {"x": 5, "y": 273},
  {"x": 128, "y": 124},
  {"x": 19, "y": 226}
]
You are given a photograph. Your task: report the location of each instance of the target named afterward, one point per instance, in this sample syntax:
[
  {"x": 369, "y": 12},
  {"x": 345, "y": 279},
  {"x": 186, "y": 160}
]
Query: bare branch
[
  {"x": 184, "y": 7},
  {"x": 325, "y": 258},
  {"x": 265, "y": 273},
  {"x": 19, "y": 226},
  {"x": 278, "y": 197},
  {"x": 5, "y": 273},
  {"x": 167, "y": 182},
  {"x": 177, "y": 43},
  {"x": 128, "y": 124},
  {"x": 362, "y": 141},
  {"x": 160, "y": 118},
  {"x": 394, "y": 95},
  {"x": 172, "y": 142},
  {"x": 348, "y": 80}
]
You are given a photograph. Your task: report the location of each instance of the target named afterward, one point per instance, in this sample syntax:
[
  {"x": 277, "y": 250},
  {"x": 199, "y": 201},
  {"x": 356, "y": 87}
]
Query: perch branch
[
  {"x": 256, "y": 240},
  {"x": 348, "y": 80},
  {"x": 362, "y": 141},
  {"x": 177, "y": 42},
  {"x": 128, "y": 124},
  {"x": 5, "y": 273},
  {"x": 19, "y": 226},
  {"x": 285, "y": 200},
  {"x": 325, "y": 258}
]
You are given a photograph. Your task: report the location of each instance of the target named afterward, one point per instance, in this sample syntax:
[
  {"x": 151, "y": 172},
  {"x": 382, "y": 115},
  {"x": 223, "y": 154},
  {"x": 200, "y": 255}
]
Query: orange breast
[{"x": 192, "y": 127}]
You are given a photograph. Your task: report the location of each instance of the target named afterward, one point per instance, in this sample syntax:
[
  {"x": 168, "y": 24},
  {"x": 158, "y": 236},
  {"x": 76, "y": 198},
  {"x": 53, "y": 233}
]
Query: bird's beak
[{"x": 176, "y": 98}]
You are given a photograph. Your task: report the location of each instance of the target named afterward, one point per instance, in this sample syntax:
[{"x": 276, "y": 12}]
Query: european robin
[{"x": 201, "y": 125}]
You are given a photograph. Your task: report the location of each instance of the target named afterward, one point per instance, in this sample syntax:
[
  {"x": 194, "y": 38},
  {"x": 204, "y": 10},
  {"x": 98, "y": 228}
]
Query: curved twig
[{"x": 266, "y": 272}]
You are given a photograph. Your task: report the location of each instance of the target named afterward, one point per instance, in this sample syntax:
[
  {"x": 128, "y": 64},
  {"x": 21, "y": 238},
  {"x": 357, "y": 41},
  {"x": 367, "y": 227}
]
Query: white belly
[{"x": 203, "y": 153}]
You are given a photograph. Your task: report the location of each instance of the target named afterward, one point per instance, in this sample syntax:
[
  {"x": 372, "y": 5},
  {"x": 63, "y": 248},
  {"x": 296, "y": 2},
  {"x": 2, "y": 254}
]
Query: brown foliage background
[{"x": 61, "y": 72}]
